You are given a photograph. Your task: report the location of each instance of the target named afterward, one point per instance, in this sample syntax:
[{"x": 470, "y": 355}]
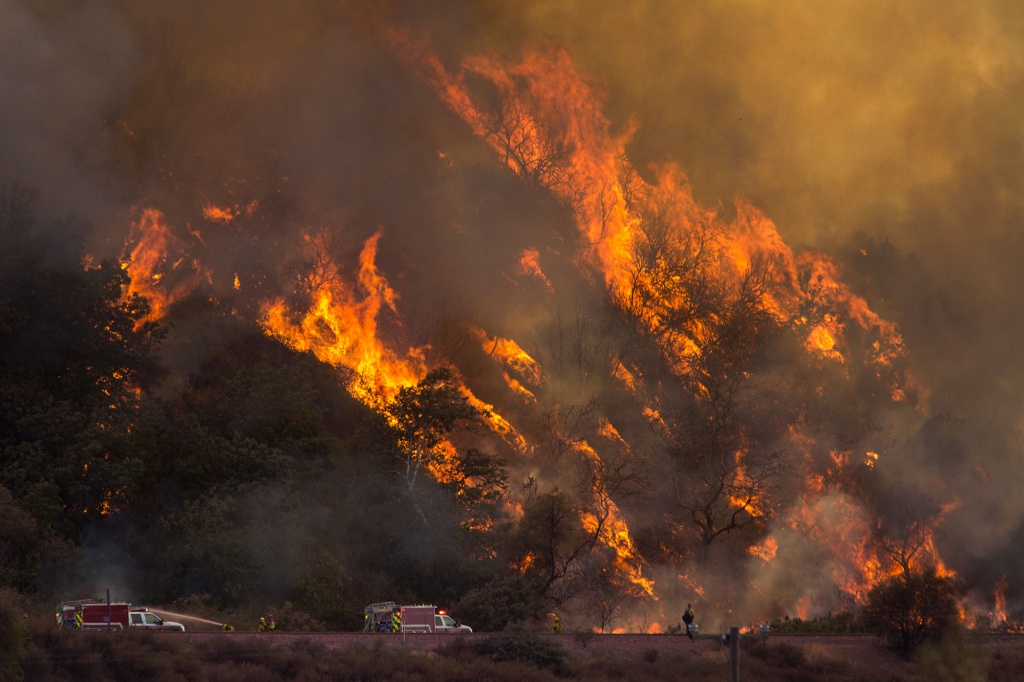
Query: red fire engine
[{"x": 92, "y": 614}]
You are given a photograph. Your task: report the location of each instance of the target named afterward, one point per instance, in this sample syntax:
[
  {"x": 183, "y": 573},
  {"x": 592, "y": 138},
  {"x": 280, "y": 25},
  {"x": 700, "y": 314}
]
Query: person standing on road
[{"x": 688, "y": 616}]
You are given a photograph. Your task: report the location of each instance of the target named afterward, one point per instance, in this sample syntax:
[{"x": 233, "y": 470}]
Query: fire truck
[
  {"x": 390, "y": 617},
  {"x": 93, "y": 614}
]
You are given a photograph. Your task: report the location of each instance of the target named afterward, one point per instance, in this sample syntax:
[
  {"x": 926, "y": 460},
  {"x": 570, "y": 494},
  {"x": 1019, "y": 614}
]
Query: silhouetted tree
[{"x": 913, "y": 607}]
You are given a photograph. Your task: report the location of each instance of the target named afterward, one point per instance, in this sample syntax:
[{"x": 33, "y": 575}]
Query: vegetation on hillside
[{"x": 256, "y": 481}]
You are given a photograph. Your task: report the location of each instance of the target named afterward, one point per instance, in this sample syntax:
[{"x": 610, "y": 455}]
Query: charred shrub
[
  {"x": 952, "y": 658},
  {"x": 292, "y": 619},
  {"x": 13, "y": 635},
  {"x": 500, "y": 603},
  {"x": 584, "y": 637},
  {"x": 75, "y": 655},
  {"x": 833, "y": 623},
  {"x": 778, "y": 655},
  {"x": 521, "y": 645}
]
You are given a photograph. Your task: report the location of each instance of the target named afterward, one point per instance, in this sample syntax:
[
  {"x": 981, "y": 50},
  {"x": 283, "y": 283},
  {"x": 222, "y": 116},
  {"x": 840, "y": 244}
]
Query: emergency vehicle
[
  {"x": 92, "y": 614},
  {"x": 427, "y": 618}
]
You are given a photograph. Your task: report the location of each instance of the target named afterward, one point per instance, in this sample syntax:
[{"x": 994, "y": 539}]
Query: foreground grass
[{"x": 517, "y": 655}]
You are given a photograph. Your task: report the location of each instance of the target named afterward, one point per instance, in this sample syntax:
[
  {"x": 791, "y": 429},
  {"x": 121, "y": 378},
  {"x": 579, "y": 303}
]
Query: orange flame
[
  {"x": 524, "y": 565},
  {"x": 548, "y": 127},
  {"x": 608, "y": 430},
  {"x": 766, "y": 549},
  {"x": 227, "y": 214},
  {"x": 614, "y": 533},
  {"x": 529, "y": 265},
  {"x": 340, "y": 328},
  {"x": 496, "y": 422},
  {"x": 157, "y": 254},
  {"x": 825, "y": 289},
  {"x": 625, "y": 376},
  {"x": 822, "y": 339},
  {"x": 217, "y": 214},
  {"x": 998, "y": 616},
  {"x": 512, "y": 356}
]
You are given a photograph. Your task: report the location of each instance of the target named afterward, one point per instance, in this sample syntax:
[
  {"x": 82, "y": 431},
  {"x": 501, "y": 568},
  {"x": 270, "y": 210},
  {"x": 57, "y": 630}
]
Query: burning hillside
[
  {"x": 696, "y": 303},
  {"x": 697, "y": 407}
]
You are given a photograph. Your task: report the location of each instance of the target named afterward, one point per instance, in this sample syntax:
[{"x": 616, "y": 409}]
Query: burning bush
[{"x": 913, "y": 608}]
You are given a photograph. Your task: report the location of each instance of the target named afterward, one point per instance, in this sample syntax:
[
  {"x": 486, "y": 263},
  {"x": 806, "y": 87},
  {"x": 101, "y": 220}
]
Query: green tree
[
  {"x": 421, "y": 416},
  {"x": 505, "y": 600},
  {"x": 206, "y": 550},
  {"x": 477, "y": 479},
  {"x": 324, "y": 590},
  {"x": 185, "y": 461},
  {"x": 73, "y": 360},
  {"x": 19, "y": 544}
]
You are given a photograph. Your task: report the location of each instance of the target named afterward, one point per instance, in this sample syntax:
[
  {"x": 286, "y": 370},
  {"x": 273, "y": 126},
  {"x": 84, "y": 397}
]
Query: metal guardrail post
[{"x": 734, "y": 654}]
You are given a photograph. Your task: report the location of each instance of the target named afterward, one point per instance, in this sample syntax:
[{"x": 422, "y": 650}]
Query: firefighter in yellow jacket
[{"x": 688, "y": 617}]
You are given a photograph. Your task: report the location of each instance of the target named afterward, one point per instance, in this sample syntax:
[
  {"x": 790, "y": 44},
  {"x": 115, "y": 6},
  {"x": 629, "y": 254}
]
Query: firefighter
[
  {"x": 226, "y": 628},
  {"x": 60, "y": 621},
  {"x": 688, "y": 616},
  {"x": 262, "y": 627},
  {"x": 271, "y": 625},
  {"x": 557, "y": 625}
]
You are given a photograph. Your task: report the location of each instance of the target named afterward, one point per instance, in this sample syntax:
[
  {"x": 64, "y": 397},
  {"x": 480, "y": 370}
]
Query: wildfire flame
[
  {"x": 825, "y": 290},
  {"x": 157, "y": 254},
  {"x": 340, "y": 326},
  {"x": 227, "y": 214},
  {"x": 218, "y": 214},
  {"x": 497, "y": 423},
  {"x": 549, "y": 129},
  {"x": 998, "y": 616},
  {"x": 766, "y": 549},
  {"x": 614, "y": 533},
  {"x": 513, "y": 357},
  {"x": 529, "y": 265}
]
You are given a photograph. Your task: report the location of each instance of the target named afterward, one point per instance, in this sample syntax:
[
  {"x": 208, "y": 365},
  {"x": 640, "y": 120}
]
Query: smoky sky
[
  {"x": 898, "y": 121},
  {"x": 888, "y": 134},
  {"x": 870, "y": 129}
]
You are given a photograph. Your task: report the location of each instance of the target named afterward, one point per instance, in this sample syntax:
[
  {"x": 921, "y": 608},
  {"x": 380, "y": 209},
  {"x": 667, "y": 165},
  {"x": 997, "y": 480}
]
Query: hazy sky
[{"x": 847, "y": 123}]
